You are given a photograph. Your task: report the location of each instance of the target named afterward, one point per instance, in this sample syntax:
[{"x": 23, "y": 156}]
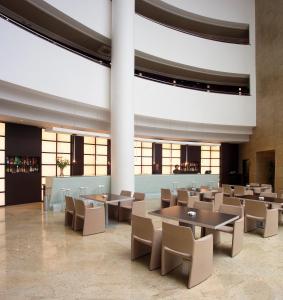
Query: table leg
[
  {"x": 118, "y": 213},
  {"x": 106, "y": 214}
]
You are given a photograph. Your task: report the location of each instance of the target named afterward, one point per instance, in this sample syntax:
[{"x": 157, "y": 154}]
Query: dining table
[
  {"x": 107, "y": 199},
  {"x": 277, "y": 202}
]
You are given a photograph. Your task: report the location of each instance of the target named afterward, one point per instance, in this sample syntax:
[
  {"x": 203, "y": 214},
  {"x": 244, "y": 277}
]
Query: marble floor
[{"x": 42, "y": 259}]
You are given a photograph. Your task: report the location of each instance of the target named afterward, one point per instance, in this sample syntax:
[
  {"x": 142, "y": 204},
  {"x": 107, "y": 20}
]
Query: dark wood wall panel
[
  {"x": 229, "y": 164},
  {"x": 22, "y": 140},
  {"x": 77, "y": 148},
  {"x": 157, "y": 158}
]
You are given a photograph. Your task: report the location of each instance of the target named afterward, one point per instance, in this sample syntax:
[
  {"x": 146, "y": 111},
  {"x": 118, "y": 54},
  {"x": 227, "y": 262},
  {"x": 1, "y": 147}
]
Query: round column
[{"x": 122, "y": 106}]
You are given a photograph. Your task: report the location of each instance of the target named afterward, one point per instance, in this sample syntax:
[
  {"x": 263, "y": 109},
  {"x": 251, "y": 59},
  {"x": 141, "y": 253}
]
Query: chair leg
[{"x": 169, "y": 261}]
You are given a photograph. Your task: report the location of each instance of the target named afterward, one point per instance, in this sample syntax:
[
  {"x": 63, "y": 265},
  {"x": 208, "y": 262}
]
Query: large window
[
  {"x": 143, "y": 158},
  {"x": 95, "y": 156},
  {"x": 210, "y": 159},
  {"x": 2, "y": 164},
  {"x": 54, "y": 145},
  {"x": 171, "y": 156}
]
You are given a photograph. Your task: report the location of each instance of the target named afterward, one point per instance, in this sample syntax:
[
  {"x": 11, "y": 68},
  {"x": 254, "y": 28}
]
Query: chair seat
[
  {"x": 114, "y": 203},
  {"x": 80, "y": 216},
  {"x": 70, "y": 211},
  {"x": 166, "y": 200},
  {"x": 183, "y": 202},
  {"x": 255, "y": 218},
  {"x": 181, "y": 254},
  {"x": 225, "y": 228},
  {"x": 127, "y": 206}
]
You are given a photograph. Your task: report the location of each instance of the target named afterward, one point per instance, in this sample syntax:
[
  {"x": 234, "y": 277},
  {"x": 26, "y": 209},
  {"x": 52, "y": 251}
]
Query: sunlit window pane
[
  {"x": 137, "y": 170},
  {"x": 166, "y": 146},
  {"x": 205, "y": 162},
  {"x": 205, "y": 154},
  {"x": 207, "y": 148},
  {"x": 166, "y": 161},
  {"x": 67, "y": 171},
  {"x": 101, "y": 141},
  {"x": 2, "y": 128},
  {"x": 101, "y": 160},
  {"x": 137, "y": 151},
  {"x": 146, "y": 152},
  {"x": 176, "y": 146},
  {"x": 89, "y": 149},
  {"x": 89, "y": 159},
  {"x": 101, "y": 150},
  {"x": 48, "y": 170},
  {"x": 50, "y": 136},
  {"x": 166, "y": 153},
  {"x": 175, "y": 161},
  {"x": 203, "y": 169},
  {"x": 215, "y": 154},
  {"x": 2, "y": 157},
  {"x": 43, "y": 180},
  {"x": 166, "y": 170},
  {"x": 215, "y": 148},
  {"x": 146, "y": 170},
  {"x": 215, "y": 170},
  {"x": 146, "y": 145},
  {"x": 101, "y": 170},
  {"x": 2, "y": 143},
  {"x": 64, "y": 156},
  {"x": 48, "y": 146},
  {"x": 137, "y": 144},
  {"x": 215, "y": 162},
  {"x": 63, "y": 137},
  {"x": 147, "y": 161},
  {"x": 89, "y": 140},
  {"x": 48, "y": 158},
  {"x": 176, "y": 153},
  {"x": 89, "y": 170},
  {"x": 137, "y": 160},
  {"x": 2, "y": 199},
  {"x": 2, "y": 185},
  {"x": 63, "y": 147}
]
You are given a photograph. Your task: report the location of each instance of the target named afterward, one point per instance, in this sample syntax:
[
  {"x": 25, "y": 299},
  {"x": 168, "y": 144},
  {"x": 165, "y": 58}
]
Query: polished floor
[{"x": 42, "y": 259}]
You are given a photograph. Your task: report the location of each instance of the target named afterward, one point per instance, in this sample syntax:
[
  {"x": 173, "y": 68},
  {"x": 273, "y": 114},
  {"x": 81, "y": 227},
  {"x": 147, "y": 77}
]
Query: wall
[{"x": 268, "y": 134}]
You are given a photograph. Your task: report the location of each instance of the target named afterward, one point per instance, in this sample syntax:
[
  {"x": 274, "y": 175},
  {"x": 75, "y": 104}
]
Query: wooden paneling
[
  {"x": 77, "y": 148},
  {"x": 156, "y": 158}
]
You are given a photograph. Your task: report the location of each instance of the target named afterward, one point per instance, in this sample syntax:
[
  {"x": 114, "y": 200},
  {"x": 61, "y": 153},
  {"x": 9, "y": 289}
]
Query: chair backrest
[
  {"x": 203, "y": 205},
  {"x": 126, "y": 193},
  {"x": 267, "y": 190},
  {"x": 254, "y": 184},
  {"x": 192, "y": 200},
  {"x": 239, "y": 190},
  {"x": 139, "y": 208},
  {"x": 139, "y": 196},
  {"x": 232, "y": 210},
  {"x": 255, "y": 208},
  {"x": 166, "y": 194},
  {"x": 257, "y": 190},
  {"x": 142, "y": 227},
  {"x": 249, "y": 192},
  {"x": 232, "y": 201},
  {"x": 80, "y": 207},
  {"x": 207, "y": 195},
  {"x": 266, "y": 194},
  {"x": 177, "y": 238},
  {"x": 183, "y": 195},
  {"x": 227, "y": 189},
  {"x": 70, "y": 205},
  {"x": 266, "y": 185},
  {"x": 218, "y": 200}
]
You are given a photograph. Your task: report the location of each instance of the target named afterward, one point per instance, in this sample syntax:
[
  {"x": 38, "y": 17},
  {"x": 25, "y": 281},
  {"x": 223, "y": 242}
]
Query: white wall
[
  {"x": 174, "y": 103},
  {"x": 238, "y": 11},
  {"x": 29, "y": 61},
  {"x": 175, "y": 46}
]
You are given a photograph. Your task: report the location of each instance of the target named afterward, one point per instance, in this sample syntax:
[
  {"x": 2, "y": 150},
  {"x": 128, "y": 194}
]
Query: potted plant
[{"x": 62, "y": 164}]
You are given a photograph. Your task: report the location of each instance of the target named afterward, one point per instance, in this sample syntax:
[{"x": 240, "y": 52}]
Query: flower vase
[{"x": 61, "y": 171}]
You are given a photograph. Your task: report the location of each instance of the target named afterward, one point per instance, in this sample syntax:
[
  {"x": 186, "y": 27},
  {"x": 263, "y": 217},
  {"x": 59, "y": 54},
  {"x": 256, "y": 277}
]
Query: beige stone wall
[{"x": 268, "y": 134}]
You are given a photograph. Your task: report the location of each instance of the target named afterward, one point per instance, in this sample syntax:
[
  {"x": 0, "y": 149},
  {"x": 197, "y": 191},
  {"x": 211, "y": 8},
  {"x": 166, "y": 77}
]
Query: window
[
  {"x": 143, "y": 158},
  {"x": 171, "y": 156},
  {"x": 210, "y": 159},
  {"x": 2, "y": 164},
  {"x": 95, "y": 156},
  {"x": 54, "y": 146}
]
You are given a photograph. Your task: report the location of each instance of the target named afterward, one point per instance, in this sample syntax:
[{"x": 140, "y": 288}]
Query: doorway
[{"x": 265, "y": 167}]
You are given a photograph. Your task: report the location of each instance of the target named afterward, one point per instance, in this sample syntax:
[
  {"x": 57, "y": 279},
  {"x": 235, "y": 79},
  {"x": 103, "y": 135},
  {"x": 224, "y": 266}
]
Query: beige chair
[
  {"x": 69, "y": 211},
  {"x": 256, "y": 211},
  {"x": 239, "y": 190},
  {"x": 254, "y": 184},
  {"x": 126, "y": 208},
  {"x": 113, "y": 207},
  {"x": 182, "y": 197},
  {"x": 249, "y": 192},
  {"x": 267, "y": 194},
  {"x": 192, "y": 200},
  {"x": 139, "y": 208},
  {"x": 218, "y": 200},
  {"x": 90, "y": 219},
  {"x": 257, "y": 190},
  {"x": 146, "y": 239},
  {"x": 208, "y": 196},
  {"x": 267, "y": 190},
  {"x": 202, "y": 205},
  {"x": 227, "y": 190},
  {"x": 232, "y": 201},
  {"x": 167, "y": 199},
  {"x": 236, "y": 228},
  {"x": 178, "y": 244}
]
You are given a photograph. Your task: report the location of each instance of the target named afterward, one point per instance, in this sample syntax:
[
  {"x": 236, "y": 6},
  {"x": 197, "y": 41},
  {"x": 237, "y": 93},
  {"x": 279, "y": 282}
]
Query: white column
[{"x": 122, "y": 106}]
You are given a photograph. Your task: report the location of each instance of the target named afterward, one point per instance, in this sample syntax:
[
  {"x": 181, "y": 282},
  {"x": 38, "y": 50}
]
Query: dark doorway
[
  {"x": 246, "y": 171},
  {"x": 265, "y": 167}
]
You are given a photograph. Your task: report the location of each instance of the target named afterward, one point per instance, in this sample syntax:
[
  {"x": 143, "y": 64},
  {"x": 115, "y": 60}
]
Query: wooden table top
[
  {"x": 107, "y": 198},
  {"x": 266, "y": 199},
  {"x": 202, "y": 218}
]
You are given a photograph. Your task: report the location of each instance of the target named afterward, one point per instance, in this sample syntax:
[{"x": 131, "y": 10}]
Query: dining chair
[
  {"x": 139, "y": 208},
  {"x": 232, "y": 201},
  {"x": 113, "y": 207},
  {"x": 69, "y": 211},
  {"x": 167, "y": 199},
  {"x": 249, "y": 192},
  {"x": 208, "y": 196},
  {"x": 178, "y": 245},
  {"x": 239, "y": 190},
  {"x": 254, "y": 184},
  {"x": 202, "y": 205},
  {"x": 126, "y": 207},
  {"x": 182, "y": 197},
  {"x": 268, "y": 194},
  {"x": 145, "y": 239},
  {"x": 90, "y": 219},
  {"x": 218, "y": 200},
  {"x": 255, "y": 212},
  {"x": 257, "y": 190},
  {"x": 192, "y": 200},
  {"x": 235, "y": 228},
  {"x": 227, "y": 190}
]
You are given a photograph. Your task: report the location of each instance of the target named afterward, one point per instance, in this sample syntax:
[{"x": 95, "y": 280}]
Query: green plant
[{"x": 62, "y": 163}]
